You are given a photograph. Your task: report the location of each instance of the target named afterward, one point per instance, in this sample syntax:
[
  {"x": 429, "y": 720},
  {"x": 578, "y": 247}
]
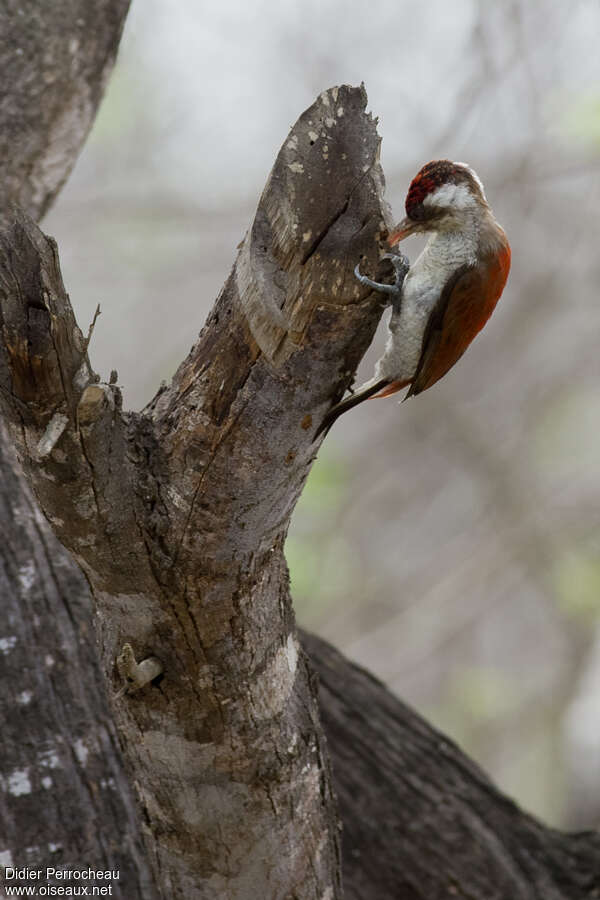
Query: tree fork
[{"x": 178, "y": 515}]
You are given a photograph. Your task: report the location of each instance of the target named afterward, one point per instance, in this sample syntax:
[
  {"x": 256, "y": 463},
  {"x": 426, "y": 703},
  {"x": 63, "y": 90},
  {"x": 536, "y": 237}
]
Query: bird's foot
[{"x": 401, "y": 266}]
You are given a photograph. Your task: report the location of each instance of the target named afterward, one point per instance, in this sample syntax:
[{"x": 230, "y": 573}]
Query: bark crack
[
  {"x": 325, "y": 231},
  {"x": 223, "y": 435},
  {"x": 323, "y": 234}
]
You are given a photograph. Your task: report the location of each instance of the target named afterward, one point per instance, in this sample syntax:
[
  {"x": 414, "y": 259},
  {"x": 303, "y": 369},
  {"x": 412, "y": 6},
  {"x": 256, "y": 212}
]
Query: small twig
[
  {"x": 136, "y": 675},
  {"x": 86, "y": 343}
]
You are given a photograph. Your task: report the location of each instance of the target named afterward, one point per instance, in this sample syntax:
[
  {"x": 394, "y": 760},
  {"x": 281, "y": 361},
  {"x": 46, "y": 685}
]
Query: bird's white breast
[{"x": 444, "y": 253}]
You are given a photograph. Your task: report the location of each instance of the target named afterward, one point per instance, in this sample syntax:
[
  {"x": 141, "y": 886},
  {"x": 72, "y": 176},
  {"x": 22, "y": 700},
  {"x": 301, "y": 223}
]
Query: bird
[{"x": 441, "y": 302}]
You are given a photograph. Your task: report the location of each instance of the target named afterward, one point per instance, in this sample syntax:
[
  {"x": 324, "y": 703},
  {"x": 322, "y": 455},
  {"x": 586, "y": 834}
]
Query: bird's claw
[
  {"x": 368, "y": 282},
  {"x": 401, "y": 266}
]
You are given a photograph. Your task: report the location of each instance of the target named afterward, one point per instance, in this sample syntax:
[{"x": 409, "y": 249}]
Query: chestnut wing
[{"x": 460, "y": 313}]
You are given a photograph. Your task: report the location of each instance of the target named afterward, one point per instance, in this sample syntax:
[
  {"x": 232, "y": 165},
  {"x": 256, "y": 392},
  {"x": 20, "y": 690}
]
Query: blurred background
[{"x": 451, "y": 545}]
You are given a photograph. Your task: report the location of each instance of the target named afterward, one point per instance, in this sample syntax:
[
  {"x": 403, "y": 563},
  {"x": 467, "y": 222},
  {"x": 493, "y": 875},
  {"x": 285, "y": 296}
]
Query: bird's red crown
[{"x": 432, "y": 176}]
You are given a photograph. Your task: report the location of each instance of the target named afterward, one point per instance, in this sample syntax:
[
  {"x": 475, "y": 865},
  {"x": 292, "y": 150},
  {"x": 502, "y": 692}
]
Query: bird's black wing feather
[{"x": 344, "y": 405}]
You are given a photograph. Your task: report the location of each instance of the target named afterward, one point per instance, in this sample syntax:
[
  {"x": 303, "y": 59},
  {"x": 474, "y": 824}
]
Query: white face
[
  {"x": 455, "y": 197},
  {"x": 451, "y": 197}
]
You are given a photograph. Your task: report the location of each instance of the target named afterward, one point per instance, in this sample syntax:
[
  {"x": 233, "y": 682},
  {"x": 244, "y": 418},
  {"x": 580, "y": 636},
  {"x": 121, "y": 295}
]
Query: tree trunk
[
  {"x": 65, "y": 800},
  {"x": 178, "y": 516}
]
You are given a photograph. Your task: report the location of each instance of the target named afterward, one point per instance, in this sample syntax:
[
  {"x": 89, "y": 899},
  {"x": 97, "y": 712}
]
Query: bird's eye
[{"x": 419, "y": 213}]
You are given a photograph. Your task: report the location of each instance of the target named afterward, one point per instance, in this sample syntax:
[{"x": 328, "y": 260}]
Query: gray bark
[
  {"x": 65, "y": 799},
  {"x": 423, "y": 822},
  {"x": 55, "y": 59}
]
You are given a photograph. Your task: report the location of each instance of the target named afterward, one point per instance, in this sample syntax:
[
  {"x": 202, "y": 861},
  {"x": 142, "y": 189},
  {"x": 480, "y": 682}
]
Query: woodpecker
[{"x": 443, "y": 301}]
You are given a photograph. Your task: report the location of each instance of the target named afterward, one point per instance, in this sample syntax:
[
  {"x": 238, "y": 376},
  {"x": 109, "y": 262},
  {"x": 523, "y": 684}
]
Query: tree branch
[
  {"x": 423, "y": 822},
  {"x": 55, "y": 59}
]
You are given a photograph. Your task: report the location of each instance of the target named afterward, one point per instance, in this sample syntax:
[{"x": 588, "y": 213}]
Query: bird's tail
[{"x": 368, "y": 390}]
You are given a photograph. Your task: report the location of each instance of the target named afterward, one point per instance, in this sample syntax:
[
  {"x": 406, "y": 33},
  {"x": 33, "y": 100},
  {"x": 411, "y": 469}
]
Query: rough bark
[
  {"x": 420, "y": 820},
  {"x": 55, "y": 59},
  {"x": 178, "y": 515},
  {"x": 64, "y": 799}
]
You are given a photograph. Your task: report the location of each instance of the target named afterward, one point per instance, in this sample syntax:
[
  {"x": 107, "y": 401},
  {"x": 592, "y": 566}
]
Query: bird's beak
[{"x": 401, "y": 231}]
